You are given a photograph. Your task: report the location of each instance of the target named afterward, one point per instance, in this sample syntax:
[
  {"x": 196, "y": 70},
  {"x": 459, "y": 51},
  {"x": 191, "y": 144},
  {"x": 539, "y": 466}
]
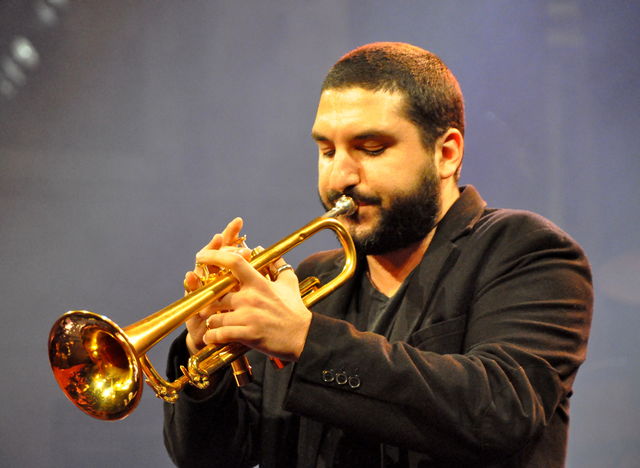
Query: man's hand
[
  {"x": 227, "y": 240},
  {"x": 266, "y": 315}
]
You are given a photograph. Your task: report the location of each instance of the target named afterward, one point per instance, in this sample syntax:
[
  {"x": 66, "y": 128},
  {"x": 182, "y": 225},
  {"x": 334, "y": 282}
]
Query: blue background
[{"x": 146, "y": 126}]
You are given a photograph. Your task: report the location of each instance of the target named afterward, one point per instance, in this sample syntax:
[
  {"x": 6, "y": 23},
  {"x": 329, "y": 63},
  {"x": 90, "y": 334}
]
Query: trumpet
[{"x": 99, "y": 366}]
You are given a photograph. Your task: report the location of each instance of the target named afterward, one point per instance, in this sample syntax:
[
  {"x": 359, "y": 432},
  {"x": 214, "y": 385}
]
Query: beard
[{"x": 408, "y": 219}]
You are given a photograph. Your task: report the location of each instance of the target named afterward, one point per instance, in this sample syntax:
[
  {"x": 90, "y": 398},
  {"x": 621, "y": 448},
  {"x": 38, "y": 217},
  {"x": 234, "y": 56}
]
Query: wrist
[{"x": 302, "y": 339}]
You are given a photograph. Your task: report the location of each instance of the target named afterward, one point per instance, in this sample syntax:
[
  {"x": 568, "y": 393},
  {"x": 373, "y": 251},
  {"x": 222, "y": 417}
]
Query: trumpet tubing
[{"x": 99, "y": 366}]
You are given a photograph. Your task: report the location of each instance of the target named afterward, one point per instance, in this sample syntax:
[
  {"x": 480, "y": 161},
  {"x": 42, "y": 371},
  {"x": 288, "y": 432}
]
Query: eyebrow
[
  {"x": 318, "y": 137},
  {"x": 366, "y": 135},
  {"x": 371, "y": 135}
]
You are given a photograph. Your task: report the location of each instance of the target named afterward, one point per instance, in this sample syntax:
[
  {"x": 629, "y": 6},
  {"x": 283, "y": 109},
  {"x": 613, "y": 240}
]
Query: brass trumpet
[{"x": 99, "y": 365}]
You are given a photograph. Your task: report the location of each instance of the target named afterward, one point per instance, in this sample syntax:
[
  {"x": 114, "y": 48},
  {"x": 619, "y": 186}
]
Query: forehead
[{"x": 356, "y": 107}]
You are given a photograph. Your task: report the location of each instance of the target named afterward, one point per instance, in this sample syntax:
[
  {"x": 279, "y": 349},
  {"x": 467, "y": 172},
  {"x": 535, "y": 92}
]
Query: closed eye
[
  {"x": 373, "y": 151},
  {"x": 373, "y": 143}
]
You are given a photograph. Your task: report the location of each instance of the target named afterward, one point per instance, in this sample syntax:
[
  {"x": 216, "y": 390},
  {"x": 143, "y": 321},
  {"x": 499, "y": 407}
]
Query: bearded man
[{"x": 458, "y": 339}]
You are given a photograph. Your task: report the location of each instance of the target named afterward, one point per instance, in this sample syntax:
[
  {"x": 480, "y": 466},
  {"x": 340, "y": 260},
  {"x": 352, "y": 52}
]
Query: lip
[{"x": 363, "y": 211}]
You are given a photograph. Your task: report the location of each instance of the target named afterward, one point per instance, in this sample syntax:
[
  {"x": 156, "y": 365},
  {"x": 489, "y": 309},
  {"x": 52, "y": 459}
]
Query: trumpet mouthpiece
[{"x": 343, "y": 206}]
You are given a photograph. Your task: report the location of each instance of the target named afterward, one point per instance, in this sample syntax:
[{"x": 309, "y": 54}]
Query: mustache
[{"x": 355, "y": 194}]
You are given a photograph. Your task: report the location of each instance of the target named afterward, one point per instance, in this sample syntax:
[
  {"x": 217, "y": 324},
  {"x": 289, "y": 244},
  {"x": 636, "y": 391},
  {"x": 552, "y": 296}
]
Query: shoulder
[
  {"x": 503, "y": 217},
  {"x": 470, "y": 220},
  {"x": 505, "y": 240},
  {"x": 518, "y": 226}
]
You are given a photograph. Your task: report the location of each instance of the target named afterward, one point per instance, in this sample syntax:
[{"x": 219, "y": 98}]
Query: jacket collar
[{"x": 462, "y": 216}]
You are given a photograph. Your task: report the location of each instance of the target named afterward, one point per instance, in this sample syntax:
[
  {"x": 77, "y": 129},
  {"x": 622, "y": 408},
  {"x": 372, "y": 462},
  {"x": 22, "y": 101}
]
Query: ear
[{"x": 449, "y": 152}]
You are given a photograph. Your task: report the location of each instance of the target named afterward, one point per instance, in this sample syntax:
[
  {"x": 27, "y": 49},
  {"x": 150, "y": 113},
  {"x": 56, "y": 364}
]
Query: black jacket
[{"x": 475, "y": 370}]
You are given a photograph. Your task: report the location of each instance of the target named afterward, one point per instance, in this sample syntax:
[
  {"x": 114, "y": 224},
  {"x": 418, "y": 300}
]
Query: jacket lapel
[
  {"x": 423, "y": 283},
  {"x": 336, "y": 304},
  {"x": 441, "y": 256}
]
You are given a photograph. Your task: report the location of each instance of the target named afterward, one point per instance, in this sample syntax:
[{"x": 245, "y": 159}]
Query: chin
[{"x": 360, "y": 230}]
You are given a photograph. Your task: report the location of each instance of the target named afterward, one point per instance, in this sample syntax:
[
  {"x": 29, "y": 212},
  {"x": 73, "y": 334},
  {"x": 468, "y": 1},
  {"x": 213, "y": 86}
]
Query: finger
[
  {"x": 225, "y": 319},
  {"x": 212, "y": 268},
  {"x": 210, "y": 310},
  {"x": 191, "y": 281},
  {"x": 244, "y": 251},
  {"x": 219, "y": 258},
  {"x": 227, "y": 302},
  {"x": 231, "y": 233},
  {"x": 285, "y": 271},
  {"x": 215, "y": 242},
  {"x": 225, "y": 335},
  {"x": 233, "y": 261}
]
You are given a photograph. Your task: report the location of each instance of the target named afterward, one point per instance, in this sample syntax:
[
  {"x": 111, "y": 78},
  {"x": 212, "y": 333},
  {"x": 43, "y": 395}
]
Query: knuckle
[
  {"x": 249, "y": 301},
  {"x": 235, "y": 259}
]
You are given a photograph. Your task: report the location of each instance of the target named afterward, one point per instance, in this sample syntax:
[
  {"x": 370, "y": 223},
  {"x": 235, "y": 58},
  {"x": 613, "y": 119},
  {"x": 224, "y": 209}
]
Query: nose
[{"x": 344, "y": 171}]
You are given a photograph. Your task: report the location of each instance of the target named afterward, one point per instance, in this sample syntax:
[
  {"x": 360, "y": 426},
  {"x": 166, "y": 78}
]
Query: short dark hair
[{"x": 434, "y": 101}]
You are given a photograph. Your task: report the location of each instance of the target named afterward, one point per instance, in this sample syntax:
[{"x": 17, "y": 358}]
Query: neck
[{"x": 388, "y": 271}]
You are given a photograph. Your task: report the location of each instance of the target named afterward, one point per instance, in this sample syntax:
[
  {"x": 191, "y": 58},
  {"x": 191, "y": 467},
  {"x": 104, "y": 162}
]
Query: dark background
[{"x": 143, "y": 127}]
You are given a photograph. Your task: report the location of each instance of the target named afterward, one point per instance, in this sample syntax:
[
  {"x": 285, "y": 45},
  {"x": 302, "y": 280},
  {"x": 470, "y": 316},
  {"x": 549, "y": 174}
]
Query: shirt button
[
  {"x": 328, "y": 376},
  {"x": 341, "y": 378},
  {"x": 354, "y": 381}
]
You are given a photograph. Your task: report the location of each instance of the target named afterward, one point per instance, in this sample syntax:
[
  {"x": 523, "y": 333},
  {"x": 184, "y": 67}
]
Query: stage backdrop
[{"x": 132, "y": 131}]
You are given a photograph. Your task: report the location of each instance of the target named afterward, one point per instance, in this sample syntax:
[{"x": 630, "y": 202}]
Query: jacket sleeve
[
  {"x": 524, "y": 334},
  {"x": 212, "y": 428}
]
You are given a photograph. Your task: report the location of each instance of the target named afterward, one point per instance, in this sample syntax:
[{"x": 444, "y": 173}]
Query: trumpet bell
[{"x": 95, "y": 365}]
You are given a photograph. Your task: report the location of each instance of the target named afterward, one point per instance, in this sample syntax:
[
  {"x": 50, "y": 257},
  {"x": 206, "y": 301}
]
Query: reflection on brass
[{"x": 99, "y": 365}]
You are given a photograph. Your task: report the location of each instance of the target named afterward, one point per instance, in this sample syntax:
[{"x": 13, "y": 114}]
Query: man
[{"x": 455, "y": 344}]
